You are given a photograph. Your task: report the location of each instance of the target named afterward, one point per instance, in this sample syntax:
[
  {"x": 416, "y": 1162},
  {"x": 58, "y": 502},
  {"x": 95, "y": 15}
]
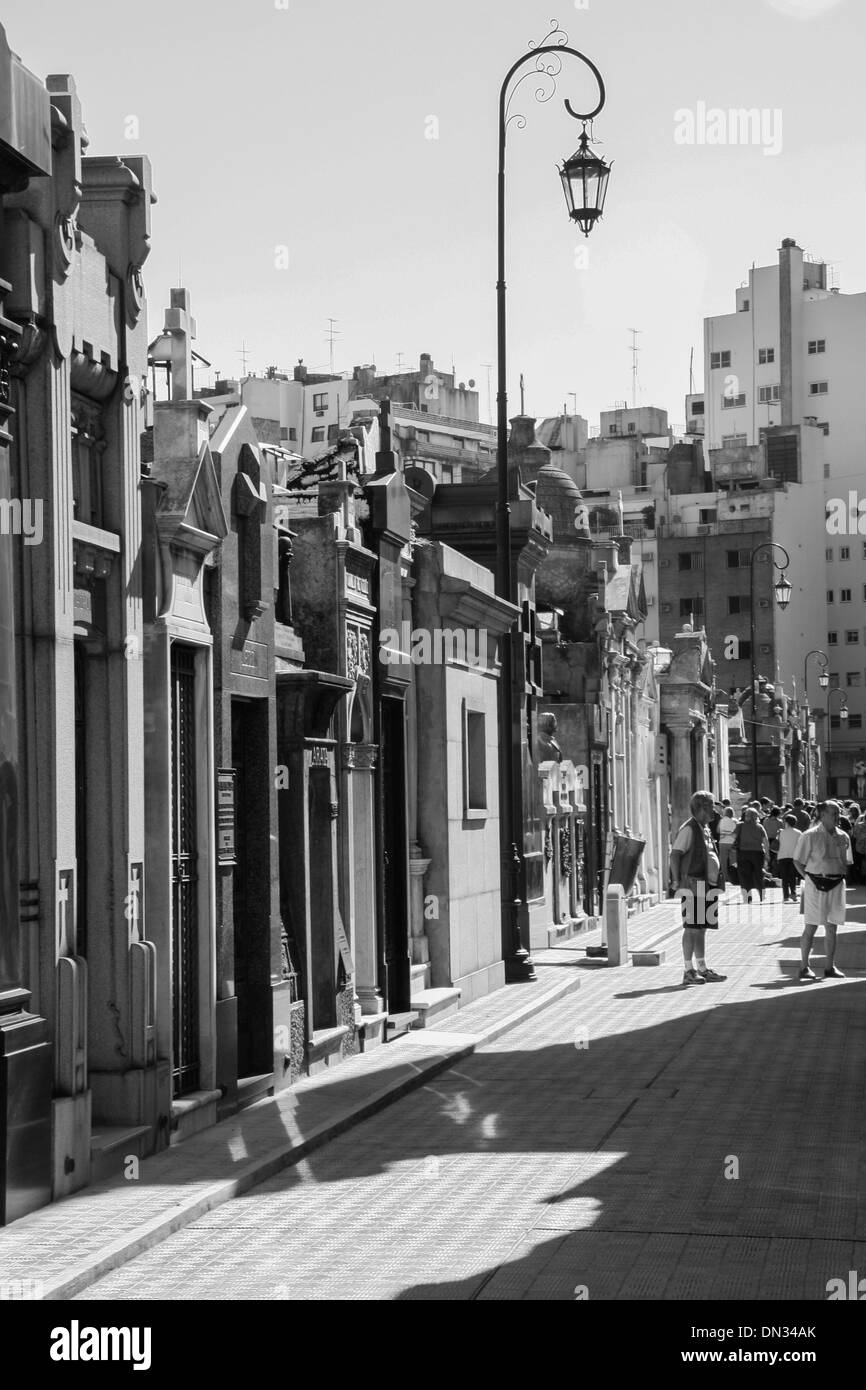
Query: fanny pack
[{"x": 825, "y": 883}]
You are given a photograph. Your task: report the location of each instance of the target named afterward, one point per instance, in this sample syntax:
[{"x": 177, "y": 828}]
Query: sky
[{"x": 329, "y": 159}]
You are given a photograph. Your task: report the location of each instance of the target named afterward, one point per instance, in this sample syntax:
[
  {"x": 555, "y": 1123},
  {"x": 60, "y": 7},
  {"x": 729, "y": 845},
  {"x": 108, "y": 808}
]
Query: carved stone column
[
  {"x": 681, "y": 772},
  {"x": 418, "y": 864},
  {"x": 359, "y": 763}
]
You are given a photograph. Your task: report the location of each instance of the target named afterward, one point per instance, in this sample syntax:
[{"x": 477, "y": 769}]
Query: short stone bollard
[{"x": 616, "y": 919}]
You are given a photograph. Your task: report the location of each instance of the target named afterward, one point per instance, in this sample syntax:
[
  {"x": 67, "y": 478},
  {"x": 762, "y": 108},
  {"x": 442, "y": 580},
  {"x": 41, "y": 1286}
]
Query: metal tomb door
[{"x": 184, "y": 868}]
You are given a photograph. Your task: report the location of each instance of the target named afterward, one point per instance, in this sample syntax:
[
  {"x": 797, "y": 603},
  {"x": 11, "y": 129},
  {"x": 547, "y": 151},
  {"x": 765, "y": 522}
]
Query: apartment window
[
  {"x": 320, "y": 400},
  {"x": 690, "y": 607},
  {"x": 828, "y": 553},
  {"x": 744, "y": 307},
  {"x": 733, "y": 402},
  {"x": 697, "y": 407},
  {"x": 738, "y": 559},
  {"x": 834, "y": 680},
  {"x": 734, "y": 441},
  {"x": 719, "y": 359},
  {"x": 864, "y": 554},
  {"x": 818, "y": 388},
  {"x": 474, "y": 761},
  {"x": 845, "y": 552},
  {"x": 854, "y": 721},
  {"x": 707, "y": 516},
  {"x": 826, "y": 470},
  {"x": 832, "y": 639},
  {"x": 766, "y": 356},
  {"x": 459, "y": 443},
  {"x": 739, "y": 603},
  {"x": 852, "y": 679},
  {"x": 852, "y": 635},
  {"x": 318, "y": 435},
  {"x": 745, "y": 650},
  {"x": 691, "y": 560},
  {"x": 817, "y": 345},
  {"x": 831, "y": 596},
  {"x": 766, "y": 394},
  {"x": 293, "y": 433},
  {"x": 864, "y": 593},
  {"x": 824, "y": 427},
  {"x": 447, "y": 473},
  {"x": 844, "y": 595}
]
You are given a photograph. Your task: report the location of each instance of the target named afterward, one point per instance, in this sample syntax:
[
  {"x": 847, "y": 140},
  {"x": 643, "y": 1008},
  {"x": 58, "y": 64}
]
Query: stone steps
[
  {"x": 433, "y": 1004},
  {"x": 110, "y": 1145}
]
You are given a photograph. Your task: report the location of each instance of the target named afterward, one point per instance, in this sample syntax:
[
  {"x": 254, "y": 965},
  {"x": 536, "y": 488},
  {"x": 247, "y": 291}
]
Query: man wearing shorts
[
  {"x": 822, "y": 856},
  {"x": 696, "y": 878}
]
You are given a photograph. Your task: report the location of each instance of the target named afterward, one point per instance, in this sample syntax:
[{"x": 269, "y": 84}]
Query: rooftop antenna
[
  {"x": 489, "y": 368},
  {"x": 692, "y": 372},
  {"x": 243, "y": 354},
  {"x": 573, "y": 395},
  {"x": 635, "y": 334},
  {"x": 332, "y": 335},
  {"x": 522, "y": 396},
  {"x": 399, "y": 363}
]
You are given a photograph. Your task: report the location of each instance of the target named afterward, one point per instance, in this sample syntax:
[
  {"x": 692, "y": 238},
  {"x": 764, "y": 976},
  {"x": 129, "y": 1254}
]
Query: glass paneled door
[{"x": 184, "y": 869}]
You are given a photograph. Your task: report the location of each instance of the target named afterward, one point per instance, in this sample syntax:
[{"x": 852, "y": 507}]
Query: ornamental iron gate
[{"x": 184, "y": 867}]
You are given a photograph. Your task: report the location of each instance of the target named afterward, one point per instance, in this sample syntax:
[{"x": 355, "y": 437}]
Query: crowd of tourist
[{"x": 758, "y": 845}]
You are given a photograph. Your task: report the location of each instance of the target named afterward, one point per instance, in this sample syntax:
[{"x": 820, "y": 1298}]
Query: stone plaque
[
  {"x": 343, "y": 946},
  {"x": 250, "y": 660},
  {"x": 226, "y": 816}
]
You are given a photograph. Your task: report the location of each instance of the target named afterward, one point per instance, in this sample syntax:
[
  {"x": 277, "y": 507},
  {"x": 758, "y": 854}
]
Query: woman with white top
[{"x": 727, "y": 829}]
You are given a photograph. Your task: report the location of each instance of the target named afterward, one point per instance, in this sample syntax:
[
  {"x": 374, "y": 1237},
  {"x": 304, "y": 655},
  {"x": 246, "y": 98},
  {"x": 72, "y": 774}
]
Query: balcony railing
[{"x": 714, "y": 528}]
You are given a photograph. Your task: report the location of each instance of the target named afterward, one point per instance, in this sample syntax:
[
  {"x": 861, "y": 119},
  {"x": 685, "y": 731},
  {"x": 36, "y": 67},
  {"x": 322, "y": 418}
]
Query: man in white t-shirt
[{"x": 822, "y": 856}]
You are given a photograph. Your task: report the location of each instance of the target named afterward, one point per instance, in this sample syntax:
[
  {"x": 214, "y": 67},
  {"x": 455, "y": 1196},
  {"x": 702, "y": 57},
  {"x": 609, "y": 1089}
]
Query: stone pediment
[{"x": 191, "y": 512}]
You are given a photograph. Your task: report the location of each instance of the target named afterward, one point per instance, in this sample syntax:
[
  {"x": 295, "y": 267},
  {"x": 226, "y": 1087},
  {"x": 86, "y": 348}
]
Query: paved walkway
[
  {"x": 63, "y": 1247},
  {"x": 633, "y": 1140}
]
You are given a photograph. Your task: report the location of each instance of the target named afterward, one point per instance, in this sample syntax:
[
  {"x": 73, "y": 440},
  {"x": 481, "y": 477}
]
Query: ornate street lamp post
[
  {"x": 584, "y": 179},
  {"x": 843, "y": 716},
  {"x": 823, "y": 681},
  {"x": 782, "y": 591}
]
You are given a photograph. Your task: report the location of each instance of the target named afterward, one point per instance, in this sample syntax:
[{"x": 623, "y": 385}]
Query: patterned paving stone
[{"x": 696, "y": 1144}]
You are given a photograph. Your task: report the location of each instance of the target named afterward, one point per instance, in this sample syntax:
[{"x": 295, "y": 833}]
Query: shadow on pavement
[{"x": 654, "y": 1117}]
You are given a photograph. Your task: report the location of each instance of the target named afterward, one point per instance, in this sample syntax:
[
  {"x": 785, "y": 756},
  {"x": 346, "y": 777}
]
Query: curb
[{"x": 456, "y": 1046}]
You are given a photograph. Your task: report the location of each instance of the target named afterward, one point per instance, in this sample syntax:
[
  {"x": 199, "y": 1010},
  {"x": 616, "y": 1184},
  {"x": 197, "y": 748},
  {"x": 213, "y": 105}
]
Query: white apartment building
[{"x": 793, "y": 353}]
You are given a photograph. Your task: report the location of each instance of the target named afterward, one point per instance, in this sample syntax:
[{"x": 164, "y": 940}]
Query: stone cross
[{"x": 181, "y": 325}]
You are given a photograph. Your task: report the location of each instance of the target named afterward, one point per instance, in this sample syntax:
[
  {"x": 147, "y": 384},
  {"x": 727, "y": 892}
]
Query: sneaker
[
  {"x": 833, "y": 974},
  {"x": 691, "y": 977},
  {"x": 807, "y": 974},
  {"x": 711, "y": 976}
]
